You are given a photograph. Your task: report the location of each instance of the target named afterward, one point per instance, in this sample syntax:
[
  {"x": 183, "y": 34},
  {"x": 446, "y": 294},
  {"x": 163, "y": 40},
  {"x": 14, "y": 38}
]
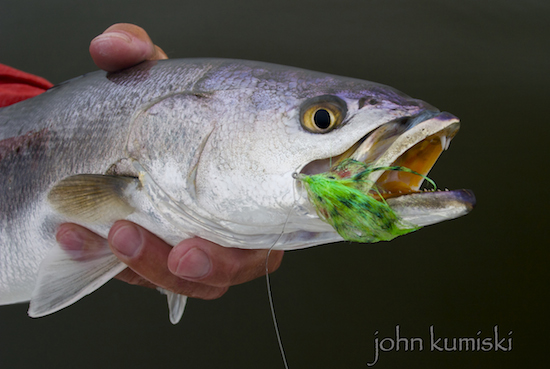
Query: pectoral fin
[
  {"x": 94, "y": 198},
  {"x": 65, "y": 277}
]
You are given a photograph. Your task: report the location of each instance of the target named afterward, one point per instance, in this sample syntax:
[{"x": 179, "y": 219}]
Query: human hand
[{"x": 195, "y": 267}]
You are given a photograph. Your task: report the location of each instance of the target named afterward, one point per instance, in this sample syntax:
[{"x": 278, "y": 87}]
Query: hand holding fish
[{"x": 195, "y": 267}]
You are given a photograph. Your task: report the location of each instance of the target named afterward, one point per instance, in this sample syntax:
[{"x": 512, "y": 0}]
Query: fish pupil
[{"x": 322, "y": 119}]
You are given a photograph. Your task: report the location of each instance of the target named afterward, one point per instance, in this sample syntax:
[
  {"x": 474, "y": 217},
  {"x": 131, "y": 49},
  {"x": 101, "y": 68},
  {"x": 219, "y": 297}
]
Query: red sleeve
[{"x": 16, "y": 85}]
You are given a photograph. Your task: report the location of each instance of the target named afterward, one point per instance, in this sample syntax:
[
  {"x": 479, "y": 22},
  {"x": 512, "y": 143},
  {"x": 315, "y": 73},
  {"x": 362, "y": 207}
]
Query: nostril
[{"x": 367, "y": 100}]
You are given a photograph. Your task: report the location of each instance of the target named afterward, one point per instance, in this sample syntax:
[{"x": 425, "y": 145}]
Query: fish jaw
[
  {"x": 427, "y": 208},
  {"x": 415, "y": 143}
]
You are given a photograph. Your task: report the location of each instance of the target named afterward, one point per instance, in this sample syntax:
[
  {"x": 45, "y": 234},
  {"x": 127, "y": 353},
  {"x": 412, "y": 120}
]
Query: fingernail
[
  {"x": 127, "y": 240},
  {"x": 113, "y": 34},
  {"x": 194, "y": 264},
  {"x": 70, "y": 240}
]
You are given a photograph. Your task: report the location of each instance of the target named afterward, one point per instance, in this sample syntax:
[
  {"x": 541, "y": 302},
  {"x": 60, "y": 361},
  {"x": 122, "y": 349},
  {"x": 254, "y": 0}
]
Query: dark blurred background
[{"x": 484, "y": 61}]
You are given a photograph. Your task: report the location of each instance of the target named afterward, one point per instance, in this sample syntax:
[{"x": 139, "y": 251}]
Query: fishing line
[
  {"x": 273, "y": 317},
  {"x": 268, "y": 282},
  {"x": 270, "y": 294}
]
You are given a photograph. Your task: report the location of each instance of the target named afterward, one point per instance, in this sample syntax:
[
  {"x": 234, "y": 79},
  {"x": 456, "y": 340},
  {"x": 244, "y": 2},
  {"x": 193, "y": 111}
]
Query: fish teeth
[{"x": 445, "y": 142}]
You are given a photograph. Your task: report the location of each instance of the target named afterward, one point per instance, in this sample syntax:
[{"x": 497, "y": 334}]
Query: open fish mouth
[{"x": 414, "y": 143}]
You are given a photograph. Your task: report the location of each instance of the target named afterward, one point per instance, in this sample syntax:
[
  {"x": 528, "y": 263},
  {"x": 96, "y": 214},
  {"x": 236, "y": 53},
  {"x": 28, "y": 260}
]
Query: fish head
[{"x": 300, "y": 122}]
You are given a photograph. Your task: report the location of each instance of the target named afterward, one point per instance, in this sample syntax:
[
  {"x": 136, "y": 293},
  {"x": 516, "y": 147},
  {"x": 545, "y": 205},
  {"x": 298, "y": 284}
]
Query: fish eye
[
  {"x": 322, "y": 119},
  {"x": 322, "y": 114}
]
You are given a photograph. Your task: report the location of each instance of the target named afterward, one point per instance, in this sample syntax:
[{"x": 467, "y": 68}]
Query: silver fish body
[{"x": 194, "y": 147}]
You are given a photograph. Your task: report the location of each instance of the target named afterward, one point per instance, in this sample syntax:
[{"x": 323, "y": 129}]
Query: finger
[
  {"x": 123, "y": 45},
  {"x": 78, "y": 240},
  {"x": 203, "y": 261},
  {"x": 81, "y": 243},
  {"x": 147, "y": 255}
]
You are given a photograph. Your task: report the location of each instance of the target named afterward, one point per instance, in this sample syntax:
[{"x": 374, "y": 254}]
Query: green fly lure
[{"x": 344, "y": 198}]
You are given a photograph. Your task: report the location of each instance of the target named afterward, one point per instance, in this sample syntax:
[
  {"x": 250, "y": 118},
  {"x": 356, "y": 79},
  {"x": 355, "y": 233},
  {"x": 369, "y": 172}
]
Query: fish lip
[
  {"x": 426, "y": 208},
  {"x": 467, "y": 197},
  {"x": 464, "y": 197}
]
